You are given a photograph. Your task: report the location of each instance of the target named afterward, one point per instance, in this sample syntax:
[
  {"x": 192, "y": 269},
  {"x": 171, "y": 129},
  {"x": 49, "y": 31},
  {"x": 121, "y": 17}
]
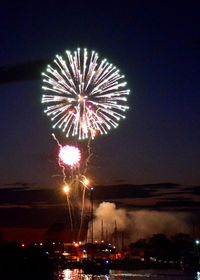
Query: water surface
[{"x": 76, "y": 274}]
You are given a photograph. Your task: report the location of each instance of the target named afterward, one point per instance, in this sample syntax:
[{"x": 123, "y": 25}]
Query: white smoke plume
[{"x": 110, "y": 222}]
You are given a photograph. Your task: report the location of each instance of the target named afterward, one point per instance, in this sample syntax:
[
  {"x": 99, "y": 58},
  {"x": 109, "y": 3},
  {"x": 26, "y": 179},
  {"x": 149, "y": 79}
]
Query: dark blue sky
[{"x": 156, "y": 44}]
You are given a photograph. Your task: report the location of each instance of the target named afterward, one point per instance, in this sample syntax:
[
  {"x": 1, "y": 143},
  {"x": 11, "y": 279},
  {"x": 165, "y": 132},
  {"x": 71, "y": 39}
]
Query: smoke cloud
[{"x": 110, "y": 223}]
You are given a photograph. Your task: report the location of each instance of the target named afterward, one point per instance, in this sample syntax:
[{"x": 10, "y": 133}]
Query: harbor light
[{"x": 197, "y": 241}]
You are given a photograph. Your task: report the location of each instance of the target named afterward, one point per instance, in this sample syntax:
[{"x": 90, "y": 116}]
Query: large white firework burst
[{"x": 86, "y": 96}]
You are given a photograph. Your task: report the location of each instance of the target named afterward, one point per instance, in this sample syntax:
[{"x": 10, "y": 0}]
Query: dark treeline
[
  {"x": 160, "y": 246},
  {"x": 180, "y": 251}
]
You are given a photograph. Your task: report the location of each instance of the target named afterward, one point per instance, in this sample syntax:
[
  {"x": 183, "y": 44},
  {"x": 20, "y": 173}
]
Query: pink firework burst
[{"x": 70, "y": 155}]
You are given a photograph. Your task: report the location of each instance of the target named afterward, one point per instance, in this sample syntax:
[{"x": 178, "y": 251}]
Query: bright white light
[
  {"x": 67, "y": 274},
  {"x": 69, "y": 155},
  {"x": 66, "y": 188},
  {"x": 85, "y": 96},
  {"x": 86, "y": 182}
]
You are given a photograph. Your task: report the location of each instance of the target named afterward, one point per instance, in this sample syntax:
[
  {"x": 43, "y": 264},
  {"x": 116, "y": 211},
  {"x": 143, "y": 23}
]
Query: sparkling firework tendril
[
  {"x": 85, "y": 96},
  {"x": 69, "y": 160},
  {"x": 61, "y": 164}
]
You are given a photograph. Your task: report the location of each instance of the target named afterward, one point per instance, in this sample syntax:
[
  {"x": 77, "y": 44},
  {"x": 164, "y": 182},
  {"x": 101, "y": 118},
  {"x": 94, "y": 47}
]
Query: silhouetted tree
[{"x": 161, "y": 246}]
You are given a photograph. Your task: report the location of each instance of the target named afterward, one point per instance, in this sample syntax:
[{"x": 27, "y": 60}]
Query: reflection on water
[{"x": 76, "y": 274}]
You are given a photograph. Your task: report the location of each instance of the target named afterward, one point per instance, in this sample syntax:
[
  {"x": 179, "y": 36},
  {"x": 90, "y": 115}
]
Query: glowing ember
[
  {"x": 70, "y": 155},
  {"x": 86, "y": 182},
  {"x": 66, "y": 189}
]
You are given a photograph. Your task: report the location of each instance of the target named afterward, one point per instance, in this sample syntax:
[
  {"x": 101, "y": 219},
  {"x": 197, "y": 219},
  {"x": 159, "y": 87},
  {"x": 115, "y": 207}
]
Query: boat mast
[{"x": 92, "y": 205}]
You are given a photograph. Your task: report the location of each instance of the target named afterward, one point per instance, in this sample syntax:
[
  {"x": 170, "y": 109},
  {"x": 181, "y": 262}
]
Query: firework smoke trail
[{"x": 64, "y": 181}]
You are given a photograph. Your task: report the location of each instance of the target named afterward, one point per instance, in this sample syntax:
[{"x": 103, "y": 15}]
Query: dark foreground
[
  {"x": 19, "y": 263},
  {"x": 35, "y": 263}
]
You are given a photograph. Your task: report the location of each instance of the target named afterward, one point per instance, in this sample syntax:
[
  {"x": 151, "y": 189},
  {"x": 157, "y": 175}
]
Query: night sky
[{"x": 154, "y": 154}]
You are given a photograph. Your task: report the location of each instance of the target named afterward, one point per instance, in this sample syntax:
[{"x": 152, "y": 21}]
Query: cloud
[
  {"x": 120, "y": 181},
  {"x": 25, "y": 195},
  {"x": 18, "y": 185},
  {"x": 32, "y": 217},
  {"x": 177, "y": 203},
  {"x": 22, "y": 72},
  {"x": 192, "y": 189},
  {"x": 127, "y": 195},
  {"x": 124, "y": 191},
  {"x": 30, "y": 198}
]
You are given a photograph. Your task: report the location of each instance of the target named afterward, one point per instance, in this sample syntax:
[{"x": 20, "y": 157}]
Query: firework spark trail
[
  {"x": 64, "y": 182},
  {"x": 84, "y": 95},
  {"x": 82, "y": 211},
  {"x": 70, "y": 212},
  {"x": 89, "y": 149},
  {"x": 82, "y": 214},
  {"x": 84, "y": 187},
  {"x": 59, "y": 161}
]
